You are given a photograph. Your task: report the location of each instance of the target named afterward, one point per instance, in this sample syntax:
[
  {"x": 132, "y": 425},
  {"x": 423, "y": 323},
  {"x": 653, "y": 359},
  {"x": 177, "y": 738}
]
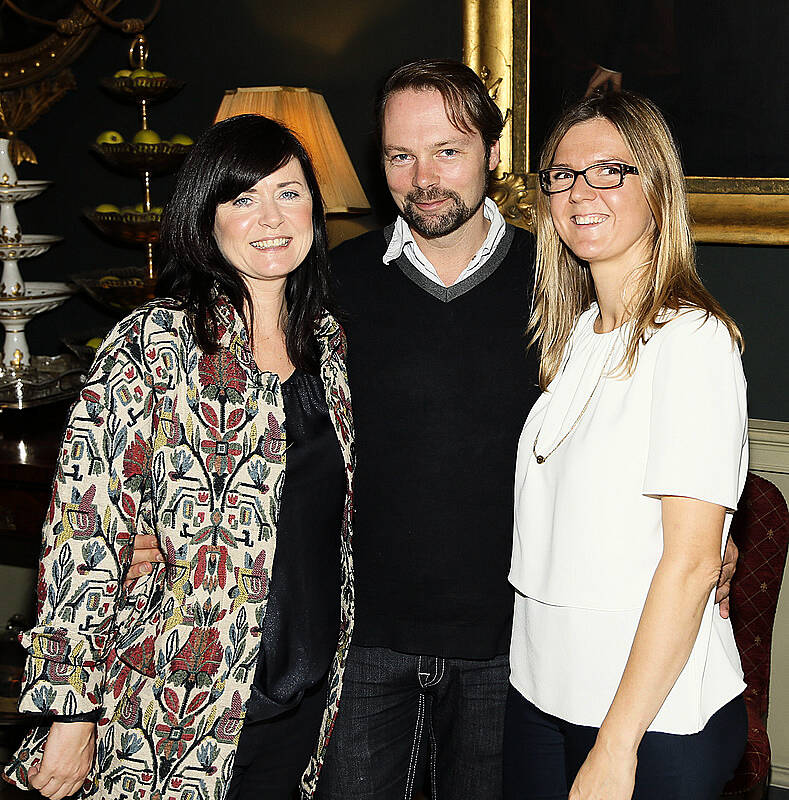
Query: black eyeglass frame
[{"x": 626, "y": 169}]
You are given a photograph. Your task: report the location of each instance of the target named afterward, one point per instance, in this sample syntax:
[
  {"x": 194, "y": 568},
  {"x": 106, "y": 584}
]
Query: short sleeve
[{"x": 698, "y": 421}]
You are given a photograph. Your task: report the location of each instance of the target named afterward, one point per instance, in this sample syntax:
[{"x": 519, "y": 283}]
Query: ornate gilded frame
[
  {"x": 67, "y": 39},
  {"x": 496, "y": 45}
]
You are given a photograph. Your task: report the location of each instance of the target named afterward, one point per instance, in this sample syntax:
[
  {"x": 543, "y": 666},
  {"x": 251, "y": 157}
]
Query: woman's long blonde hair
[{"x": 669, "y": 280}]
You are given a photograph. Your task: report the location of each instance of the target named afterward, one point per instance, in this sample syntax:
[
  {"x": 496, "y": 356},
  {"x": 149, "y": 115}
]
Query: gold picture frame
[{"x": 496, "y": 36}]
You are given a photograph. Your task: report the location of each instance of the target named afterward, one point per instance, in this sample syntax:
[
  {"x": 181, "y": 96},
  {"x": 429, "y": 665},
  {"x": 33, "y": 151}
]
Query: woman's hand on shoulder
[
  {"x": 605, "y": 775},
  {"x": 67, "y": 760}
]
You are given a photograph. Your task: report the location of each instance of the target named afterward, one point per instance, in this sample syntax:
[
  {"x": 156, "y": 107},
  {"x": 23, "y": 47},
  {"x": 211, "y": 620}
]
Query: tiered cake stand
[
  {"x": 125, "y": 288},
  {"x": 27, "y": 380}
]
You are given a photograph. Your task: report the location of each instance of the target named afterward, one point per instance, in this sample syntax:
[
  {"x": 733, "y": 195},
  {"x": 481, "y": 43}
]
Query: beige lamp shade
[{"x": 305, "y": 112}]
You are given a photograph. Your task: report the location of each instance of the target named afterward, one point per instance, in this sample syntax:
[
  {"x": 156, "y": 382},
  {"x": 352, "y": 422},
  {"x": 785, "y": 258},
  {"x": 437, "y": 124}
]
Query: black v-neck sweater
[{"x": 441, "y": 384}]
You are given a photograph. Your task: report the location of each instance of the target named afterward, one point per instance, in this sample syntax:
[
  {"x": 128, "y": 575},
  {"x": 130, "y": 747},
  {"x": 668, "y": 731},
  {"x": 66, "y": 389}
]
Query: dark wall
[
  {"x": 752, "y": 283},
  {"x": 342, "y": 50}
]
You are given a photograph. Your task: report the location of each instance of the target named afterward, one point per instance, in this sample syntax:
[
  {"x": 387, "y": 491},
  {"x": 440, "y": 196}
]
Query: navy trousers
[{"x": 542, "y": 755}]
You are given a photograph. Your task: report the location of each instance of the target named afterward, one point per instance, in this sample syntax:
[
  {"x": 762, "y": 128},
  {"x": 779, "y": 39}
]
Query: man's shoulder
[
  {"x": 518, "y": 260},
  {"x": 522, "y": 239},
  {"x": 357, "y": 267},
  {"x": 370, "y": 245}
]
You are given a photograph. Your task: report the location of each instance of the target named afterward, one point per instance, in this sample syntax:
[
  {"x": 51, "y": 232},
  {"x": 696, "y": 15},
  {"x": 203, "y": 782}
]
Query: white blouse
[{"x": 588, "y": 534}]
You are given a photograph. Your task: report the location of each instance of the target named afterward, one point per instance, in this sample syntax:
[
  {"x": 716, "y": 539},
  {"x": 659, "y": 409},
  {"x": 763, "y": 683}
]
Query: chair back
[{"x": 760, "y": 530}]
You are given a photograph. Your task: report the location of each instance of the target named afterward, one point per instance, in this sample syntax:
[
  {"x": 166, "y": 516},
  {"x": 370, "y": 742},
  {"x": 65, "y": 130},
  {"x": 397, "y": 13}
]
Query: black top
[
  {"x": 441, "y": 386},
  {"x": 302, "y": 621}
]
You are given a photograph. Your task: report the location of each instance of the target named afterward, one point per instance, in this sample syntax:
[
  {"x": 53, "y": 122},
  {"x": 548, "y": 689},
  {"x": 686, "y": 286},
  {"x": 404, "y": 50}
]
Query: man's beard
[{"x": 435, "y": 225}]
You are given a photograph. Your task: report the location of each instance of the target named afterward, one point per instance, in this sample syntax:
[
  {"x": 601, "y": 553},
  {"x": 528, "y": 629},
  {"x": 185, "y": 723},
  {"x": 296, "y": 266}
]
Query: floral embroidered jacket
[{"x": 167, "y": 440}]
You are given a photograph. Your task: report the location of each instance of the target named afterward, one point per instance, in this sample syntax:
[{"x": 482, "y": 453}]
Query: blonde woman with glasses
[{"x": 625, "y": 682}]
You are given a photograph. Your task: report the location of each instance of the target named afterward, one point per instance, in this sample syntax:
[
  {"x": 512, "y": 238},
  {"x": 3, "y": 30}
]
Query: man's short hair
[{"x": 468, "y": 105}]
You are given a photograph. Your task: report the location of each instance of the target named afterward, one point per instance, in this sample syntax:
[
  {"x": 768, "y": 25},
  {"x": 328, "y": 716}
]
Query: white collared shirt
[{"x": 403, "y": 242}]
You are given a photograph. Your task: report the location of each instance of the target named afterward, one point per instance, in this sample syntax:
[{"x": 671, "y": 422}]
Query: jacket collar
[{"x": 232, "y": 334}]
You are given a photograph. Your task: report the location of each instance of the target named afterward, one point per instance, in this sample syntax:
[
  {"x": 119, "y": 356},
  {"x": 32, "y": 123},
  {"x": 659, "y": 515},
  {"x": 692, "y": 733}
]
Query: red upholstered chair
[{"x": 761, "y": 530}]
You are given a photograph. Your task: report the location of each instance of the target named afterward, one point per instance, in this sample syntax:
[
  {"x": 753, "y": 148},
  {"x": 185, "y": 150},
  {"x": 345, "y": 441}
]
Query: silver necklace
[{"x": 541, "y": 459}]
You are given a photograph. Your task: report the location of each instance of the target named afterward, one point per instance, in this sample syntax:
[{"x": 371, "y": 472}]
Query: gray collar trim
[{"x": 448, "y": 293}]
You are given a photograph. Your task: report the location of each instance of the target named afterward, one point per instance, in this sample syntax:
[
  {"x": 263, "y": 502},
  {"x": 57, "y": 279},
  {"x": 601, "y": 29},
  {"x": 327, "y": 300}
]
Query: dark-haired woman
[{"x": 217, "y": 420}]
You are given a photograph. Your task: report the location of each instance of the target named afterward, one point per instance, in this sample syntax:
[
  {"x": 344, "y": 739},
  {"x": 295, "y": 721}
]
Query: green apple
[
  {"x": 140, "y": 73},
  {"x": 107, "y": 208},
  {"x": 95, "y": 342},
  {"x": 157, "y": 210},
  {"x": 122, "y": 73},
  {"x": 129, "y": 210},
  {"x": 181, "y": 138},
  {"x": 157, "y": 74},
  {"x": 109, "y": 137},
  {"x": 146, "y": 136}
]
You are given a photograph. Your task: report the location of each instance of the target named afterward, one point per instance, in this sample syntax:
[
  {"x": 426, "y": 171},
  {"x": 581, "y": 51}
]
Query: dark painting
[{"x": 719, "y": 71}]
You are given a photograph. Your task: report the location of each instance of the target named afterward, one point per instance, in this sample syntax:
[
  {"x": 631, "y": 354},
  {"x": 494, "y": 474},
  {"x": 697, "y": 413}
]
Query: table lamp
[{"x": 305, "y": 112}]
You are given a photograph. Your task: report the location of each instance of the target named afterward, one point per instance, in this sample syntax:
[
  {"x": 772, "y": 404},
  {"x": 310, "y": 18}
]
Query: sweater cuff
[
  {"x": 63, "y": 677},
  {"x": 50, "y": 687}
]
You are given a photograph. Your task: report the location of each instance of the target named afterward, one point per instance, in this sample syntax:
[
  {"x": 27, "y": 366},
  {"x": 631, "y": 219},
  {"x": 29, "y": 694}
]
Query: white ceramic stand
[{"x": 25, "y": 379}]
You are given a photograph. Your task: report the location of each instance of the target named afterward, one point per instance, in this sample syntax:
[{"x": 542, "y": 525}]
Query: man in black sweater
[{"x": 436, "y": 309}]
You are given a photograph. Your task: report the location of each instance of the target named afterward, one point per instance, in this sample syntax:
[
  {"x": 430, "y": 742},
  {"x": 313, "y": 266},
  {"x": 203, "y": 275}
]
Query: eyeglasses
[{"x": 610, "y": 175}]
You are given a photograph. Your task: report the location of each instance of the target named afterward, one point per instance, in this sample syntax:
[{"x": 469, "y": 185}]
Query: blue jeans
[
  {"x": 542, "y": 755},
  {"x": 403, "y": 714}
]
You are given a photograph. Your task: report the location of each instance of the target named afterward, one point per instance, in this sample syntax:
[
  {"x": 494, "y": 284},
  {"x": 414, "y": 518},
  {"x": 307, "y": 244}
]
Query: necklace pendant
[{"x": 540, "y": 459}]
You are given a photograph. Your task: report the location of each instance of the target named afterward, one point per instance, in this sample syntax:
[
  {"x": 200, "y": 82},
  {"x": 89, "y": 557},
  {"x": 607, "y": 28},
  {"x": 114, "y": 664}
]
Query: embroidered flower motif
[
  {"x": 229, "y": 724},
  {"x": 198, "y": 659},
  {"x": 79, "y": 519},
  {"x": 167, "y": 423},
  {"x": 174, "y": 735},
  {"x": 141, "y": 657},
  {"x": 222, "y": 451},
  {"x": 211, "y": 570},
  {"x": 214, "y": 532},
  {"x": 136, "y": 458},
  {"x": 221, "y": 377},
  {"x": 273, "y": 440}
]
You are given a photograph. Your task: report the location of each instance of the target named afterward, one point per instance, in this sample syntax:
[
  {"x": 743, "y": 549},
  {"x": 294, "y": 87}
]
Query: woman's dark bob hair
[{"x": 228, "y": 159}]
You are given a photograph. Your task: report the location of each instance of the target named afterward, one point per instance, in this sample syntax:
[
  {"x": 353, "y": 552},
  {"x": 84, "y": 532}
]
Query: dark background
[
  {"x": 719, "y": 72},
  {"x": 342, "y": 49}
]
